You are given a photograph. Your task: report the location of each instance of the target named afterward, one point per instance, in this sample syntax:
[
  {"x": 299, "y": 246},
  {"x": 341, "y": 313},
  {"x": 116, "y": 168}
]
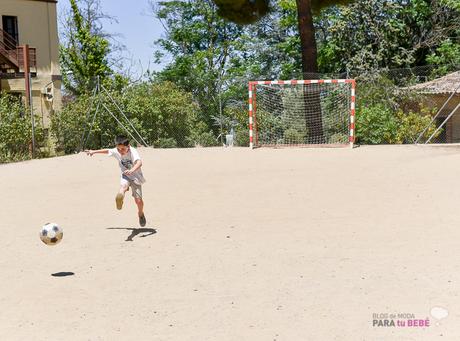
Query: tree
[
  {"x": 166, "y": 113},
  {"x": 375, "y": 34},
  {"x": 84, "y": 54},
  {"x": 446, "y": 57},
  {"x": 16, "y": 130},
  {"x": 307, "y": 37},
  {"x": 163, "y": 114},
  {"x": 205, "y": 50},
  {"x": 250, "y": 11},
  {"x": 305, "y": 10}
]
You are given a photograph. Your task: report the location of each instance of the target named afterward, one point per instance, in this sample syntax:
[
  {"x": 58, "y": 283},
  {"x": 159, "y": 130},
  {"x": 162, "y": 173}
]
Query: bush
[
  {"x": 162, "y": 114},
  {"x": 83, "y": 124},
  {"x": 376, "y": 90},
  {"x": 165, "y": 111},
  {"x": 338, "y": 138},
  {"x": 70, "y": 125},
  {"x": 16, "y": 131},
  {"x": 293, "y": 136},
  {"x": 376, "y": 125},
  {"x": 412, "y": 124},
  {"x": 167, "y": 142},
  {"x": 380, "y": 125},
  {"x": 201, "y": 137},
  {"x": 242, "y": 137}
]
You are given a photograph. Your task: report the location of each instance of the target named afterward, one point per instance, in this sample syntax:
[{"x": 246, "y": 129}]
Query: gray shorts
[{"x": 136, "y": 190}]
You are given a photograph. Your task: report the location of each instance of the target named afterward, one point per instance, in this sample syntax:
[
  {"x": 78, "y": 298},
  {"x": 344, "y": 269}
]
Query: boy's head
[{"x": 122, "y": 144}]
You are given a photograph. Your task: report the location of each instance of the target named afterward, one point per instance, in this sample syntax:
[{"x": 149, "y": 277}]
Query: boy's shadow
[{"x": 135, "y": 231}]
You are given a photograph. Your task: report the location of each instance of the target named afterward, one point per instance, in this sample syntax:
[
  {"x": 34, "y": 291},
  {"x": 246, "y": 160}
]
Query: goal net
[{"x": 301, "y": 113}]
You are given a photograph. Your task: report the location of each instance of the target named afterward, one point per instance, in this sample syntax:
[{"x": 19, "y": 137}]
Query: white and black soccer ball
[{"x": 51, "y": 234}]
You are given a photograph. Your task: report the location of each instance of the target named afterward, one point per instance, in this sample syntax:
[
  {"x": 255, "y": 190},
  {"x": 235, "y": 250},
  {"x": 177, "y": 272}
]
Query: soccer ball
[{"x": 51, "y": 234}]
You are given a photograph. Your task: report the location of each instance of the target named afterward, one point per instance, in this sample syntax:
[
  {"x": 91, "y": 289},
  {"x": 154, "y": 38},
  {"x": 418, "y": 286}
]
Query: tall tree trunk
[
  {"x": 314, "y": 123},
  {"x": 307, "y": 38}
]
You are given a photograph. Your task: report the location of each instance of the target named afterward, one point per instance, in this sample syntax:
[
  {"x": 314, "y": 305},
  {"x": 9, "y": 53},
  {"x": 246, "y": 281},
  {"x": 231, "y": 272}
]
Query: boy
[{"x": 131, "y": 173}]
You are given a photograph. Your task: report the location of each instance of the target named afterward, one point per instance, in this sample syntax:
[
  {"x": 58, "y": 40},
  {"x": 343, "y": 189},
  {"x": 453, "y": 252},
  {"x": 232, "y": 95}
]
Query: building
[
  {"x": 443, "y": 96},
  {"x": 31, "y": 25}
]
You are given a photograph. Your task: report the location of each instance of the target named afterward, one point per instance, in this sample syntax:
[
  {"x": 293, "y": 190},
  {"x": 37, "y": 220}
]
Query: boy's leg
[
  {"x": 124, "y": 186},
  {"x": 140, "y": 206},
  {"x": 140, "y": 213},
  {"x": 137, "y": 194}
]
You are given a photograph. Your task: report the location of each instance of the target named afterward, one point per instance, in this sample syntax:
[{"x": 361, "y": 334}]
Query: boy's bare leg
[
  {"x": 140, "y": 211},
  {"x": 120, "y": 196}
]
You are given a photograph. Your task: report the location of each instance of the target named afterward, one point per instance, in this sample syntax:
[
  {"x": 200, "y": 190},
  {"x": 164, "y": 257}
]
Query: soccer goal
[{"x": 318, "y": 112}]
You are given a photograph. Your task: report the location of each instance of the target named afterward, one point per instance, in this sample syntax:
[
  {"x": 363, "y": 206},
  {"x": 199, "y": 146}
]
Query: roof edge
[{"x": 52, "y": 1}]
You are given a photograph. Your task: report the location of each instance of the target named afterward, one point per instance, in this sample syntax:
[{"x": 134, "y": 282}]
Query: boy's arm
[
  {"x": 137, "y": 165},
  {"x": 99, "y": 151}
]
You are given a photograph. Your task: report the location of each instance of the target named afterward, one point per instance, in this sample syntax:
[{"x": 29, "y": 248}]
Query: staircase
[{"x": 12, "y": 56}]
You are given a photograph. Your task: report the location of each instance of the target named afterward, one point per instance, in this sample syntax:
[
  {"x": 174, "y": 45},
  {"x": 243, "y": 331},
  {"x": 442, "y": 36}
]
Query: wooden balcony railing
[
  {"x": 13, "y": 55},
  {"x": 32, "y": 57}
]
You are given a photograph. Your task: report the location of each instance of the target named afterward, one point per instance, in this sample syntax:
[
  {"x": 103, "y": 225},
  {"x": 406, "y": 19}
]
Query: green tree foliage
[
  {"x": 446, "y": 57},
  {"x": 168, "y": 114},
  {"x": 71, "y": 126},
  {"x": 207, "y": 54},
  {"x": 389, "y": 114},
  {"x": 362, "y": 37},
  {"x": 380, "y": 125},
  {"x": 411, "y": 125},
  {"x": 250, "y": 11},
  {"x": 455, "y": 4},
  {"x": 84, "y": 56},
  {"x": 163, "y": 114},
  {"x": 16, "y": 131},
  {"x": 375, "y": 34}
]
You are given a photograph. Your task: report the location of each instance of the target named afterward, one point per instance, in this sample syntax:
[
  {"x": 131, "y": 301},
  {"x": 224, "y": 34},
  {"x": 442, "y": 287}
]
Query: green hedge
[{"x": 16, "y": 131}]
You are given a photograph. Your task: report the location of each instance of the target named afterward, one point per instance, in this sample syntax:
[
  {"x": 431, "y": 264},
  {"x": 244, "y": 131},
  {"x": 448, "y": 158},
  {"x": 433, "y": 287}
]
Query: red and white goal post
[{"x": 317, "y": 112}]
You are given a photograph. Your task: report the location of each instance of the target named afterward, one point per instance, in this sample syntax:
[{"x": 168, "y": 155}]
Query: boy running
[{"x": 131, "y": 173}]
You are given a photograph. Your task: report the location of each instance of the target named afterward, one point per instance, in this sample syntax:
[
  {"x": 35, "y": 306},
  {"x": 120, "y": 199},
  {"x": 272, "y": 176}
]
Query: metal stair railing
[{"x": 8, "y": 48}]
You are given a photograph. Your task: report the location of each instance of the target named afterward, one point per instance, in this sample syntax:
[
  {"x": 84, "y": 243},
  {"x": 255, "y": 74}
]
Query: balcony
[{"x": 12, "y": 57}]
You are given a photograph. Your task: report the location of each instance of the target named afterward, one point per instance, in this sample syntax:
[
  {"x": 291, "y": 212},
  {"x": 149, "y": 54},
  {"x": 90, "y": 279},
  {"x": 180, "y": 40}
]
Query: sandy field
[{"x": 267, "y": 244}]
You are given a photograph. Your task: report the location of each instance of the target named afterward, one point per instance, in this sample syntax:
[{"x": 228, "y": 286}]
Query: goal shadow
[{"x": 135, "y": 231}]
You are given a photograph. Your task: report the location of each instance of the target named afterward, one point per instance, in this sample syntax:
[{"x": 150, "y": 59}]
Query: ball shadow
[{"x": 63, "y": 274}]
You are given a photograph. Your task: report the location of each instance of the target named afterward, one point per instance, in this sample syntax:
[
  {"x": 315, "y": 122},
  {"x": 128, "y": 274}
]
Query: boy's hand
[
  {"x": 89, "y": 152},
  {"x": 128, "y": 172}
]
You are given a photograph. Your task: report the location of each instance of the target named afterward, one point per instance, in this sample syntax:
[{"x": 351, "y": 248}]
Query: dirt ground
[{"x": 268, "y": 244}]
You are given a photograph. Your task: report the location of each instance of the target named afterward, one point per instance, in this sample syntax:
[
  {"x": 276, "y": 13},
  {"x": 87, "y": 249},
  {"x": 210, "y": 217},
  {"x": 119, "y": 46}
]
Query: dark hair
[{"x": 121, "y": 139}]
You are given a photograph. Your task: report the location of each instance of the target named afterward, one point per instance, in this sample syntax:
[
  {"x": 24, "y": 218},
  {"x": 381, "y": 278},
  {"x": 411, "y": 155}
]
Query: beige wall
[
  {"x": 37, "y": 26},
  {"x": 438, "y": 101},
  {"x": 455, "y": 138},
  {"x": 454, "y": 128}
]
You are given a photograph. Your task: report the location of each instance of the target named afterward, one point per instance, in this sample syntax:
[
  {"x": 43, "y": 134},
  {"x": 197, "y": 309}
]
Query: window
[{"x": 10, "y": 26}]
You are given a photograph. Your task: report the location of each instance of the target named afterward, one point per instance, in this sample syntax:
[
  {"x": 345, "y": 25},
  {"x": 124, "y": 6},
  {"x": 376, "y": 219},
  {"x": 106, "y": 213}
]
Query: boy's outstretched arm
[{"x": 99, "y": 151}]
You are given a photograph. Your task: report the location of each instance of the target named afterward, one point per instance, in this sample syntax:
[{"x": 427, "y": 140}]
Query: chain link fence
[{"x": 406, "y": 105}]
